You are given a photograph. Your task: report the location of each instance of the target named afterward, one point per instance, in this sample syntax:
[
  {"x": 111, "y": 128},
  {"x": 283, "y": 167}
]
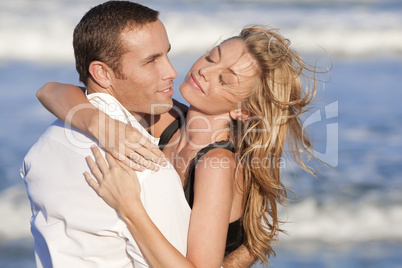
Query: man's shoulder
[{"x": 67, "y": 137}]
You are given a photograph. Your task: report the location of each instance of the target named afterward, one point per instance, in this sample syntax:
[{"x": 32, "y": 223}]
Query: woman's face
[{"x": 220, "y": 79}]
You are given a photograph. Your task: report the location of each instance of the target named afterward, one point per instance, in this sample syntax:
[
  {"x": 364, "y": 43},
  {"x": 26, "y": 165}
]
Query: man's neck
[
  {"x": 143, "y": 119},
  {"x": 93, "y": 87}
]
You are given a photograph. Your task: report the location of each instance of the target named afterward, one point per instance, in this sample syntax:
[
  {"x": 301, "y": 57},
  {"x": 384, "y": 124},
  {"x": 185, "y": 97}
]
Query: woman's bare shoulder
[{"x": 219, "y": 162}]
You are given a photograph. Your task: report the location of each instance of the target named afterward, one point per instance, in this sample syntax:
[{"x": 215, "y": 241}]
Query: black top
[
  {"x": 171, "y": 130},
  {"x": 235, "y": 232}
]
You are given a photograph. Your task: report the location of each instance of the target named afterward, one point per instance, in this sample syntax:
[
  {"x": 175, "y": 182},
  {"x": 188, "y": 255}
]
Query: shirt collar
[{"x": 113, "y": 108}]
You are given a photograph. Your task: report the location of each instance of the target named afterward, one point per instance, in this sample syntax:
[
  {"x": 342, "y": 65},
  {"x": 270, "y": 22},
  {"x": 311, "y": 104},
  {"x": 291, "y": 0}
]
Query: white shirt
[{"x": 72, "y": 226}]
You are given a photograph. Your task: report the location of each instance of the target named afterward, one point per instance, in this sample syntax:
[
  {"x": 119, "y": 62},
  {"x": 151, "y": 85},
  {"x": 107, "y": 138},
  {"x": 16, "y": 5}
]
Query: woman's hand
[
  {"x": 117, "y": 184},
  {"x": 127, "y": 144}
]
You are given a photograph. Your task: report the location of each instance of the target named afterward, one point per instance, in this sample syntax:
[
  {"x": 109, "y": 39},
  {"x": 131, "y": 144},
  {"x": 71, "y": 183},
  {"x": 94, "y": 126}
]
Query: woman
[{"x": 245, "y": 99}]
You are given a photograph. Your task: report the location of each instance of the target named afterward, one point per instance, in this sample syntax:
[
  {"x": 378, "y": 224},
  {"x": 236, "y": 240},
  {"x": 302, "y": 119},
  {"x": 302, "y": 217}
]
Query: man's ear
[
  {"x": 101, "y": 73},
  {"x": 239, "y": 114}
]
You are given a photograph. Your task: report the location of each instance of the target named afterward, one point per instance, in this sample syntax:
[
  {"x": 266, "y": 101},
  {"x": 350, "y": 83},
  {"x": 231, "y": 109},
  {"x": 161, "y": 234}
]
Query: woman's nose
[{"x": 205, "y": 72}]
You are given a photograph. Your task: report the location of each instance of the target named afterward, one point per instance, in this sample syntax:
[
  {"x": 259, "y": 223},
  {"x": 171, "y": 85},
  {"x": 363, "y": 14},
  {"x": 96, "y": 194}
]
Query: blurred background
[{"x": 349, "y": 216}]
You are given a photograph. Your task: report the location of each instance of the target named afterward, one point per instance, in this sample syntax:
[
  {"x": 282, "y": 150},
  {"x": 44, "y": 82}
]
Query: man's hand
[{"x": 240, "y": 258}]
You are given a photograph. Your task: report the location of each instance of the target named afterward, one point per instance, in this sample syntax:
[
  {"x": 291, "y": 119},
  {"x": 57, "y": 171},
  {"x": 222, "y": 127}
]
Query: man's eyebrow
[{"x": 152, "y": 57}]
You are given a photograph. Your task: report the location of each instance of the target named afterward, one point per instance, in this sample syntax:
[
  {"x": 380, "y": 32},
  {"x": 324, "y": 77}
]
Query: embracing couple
[{"x": 208, "y": 199}]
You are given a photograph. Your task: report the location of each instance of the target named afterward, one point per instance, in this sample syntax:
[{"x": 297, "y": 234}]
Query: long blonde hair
[{"x": 275, "y": 101}]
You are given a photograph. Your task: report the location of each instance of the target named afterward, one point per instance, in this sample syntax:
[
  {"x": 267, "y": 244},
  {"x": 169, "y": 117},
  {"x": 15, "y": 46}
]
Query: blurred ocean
[{"x": 350, "y": 216}]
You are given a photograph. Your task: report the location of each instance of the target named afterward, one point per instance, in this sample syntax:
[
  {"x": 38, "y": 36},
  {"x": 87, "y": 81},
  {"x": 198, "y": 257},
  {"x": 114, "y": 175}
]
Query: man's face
[{"x": 145, "y": 84}]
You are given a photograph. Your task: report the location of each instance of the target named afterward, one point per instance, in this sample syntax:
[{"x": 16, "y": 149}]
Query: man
[{"x": 121, "y": 56}]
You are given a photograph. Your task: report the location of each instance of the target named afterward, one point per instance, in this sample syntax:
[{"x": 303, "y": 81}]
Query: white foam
[
  {"x": 43, "y": 31},
  {"x": 342, "y": 223},
  {"x": 306, "y": 220},
  {"x": 15, "y": 213}
]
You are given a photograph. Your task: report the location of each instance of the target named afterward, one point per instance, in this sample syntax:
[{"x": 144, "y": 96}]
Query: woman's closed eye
[
  {"x": 221, "y": 80},
  {"x": 208, "y": 58}
]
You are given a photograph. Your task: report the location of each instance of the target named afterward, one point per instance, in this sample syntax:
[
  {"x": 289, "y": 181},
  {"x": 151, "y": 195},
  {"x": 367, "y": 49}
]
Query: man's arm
[{"x": 240, "y": 258}]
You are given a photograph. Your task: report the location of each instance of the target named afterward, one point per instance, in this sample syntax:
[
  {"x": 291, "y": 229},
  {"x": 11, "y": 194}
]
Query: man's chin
[{"x": 161, "y": 108}]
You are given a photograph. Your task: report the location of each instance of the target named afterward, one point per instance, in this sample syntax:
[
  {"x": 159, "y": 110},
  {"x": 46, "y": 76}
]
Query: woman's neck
[{"x": 202, "y": 129}]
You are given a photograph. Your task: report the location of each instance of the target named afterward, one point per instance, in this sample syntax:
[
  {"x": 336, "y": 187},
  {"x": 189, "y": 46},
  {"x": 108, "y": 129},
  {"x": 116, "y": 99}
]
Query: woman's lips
[{"x": 194, "y": 82}]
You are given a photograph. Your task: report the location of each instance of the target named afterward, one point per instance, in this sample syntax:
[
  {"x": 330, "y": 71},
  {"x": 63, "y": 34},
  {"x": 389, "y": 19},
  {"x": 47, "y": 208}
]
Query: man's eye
[{"x": 151, "y": 60}]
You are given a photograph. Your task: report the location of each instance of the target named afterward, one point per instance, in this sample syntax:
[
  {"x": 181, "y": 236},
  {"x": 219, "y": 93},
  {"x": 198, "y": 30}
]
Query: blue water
[{"x": 349, "y": 216}]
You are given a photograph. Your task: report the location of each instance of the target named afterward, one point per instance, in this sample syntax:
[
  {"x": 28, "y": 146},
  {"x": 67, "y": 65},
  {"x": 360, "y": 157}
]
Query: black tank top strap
[{"x": 171, "y": 130}]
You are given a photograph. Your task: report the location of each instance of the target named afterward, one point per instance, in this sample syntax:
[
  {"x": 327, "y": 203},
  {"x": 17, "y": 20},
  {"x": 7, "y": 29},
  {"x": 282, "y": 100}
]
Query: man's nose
[{"x": 170, "y": 71}]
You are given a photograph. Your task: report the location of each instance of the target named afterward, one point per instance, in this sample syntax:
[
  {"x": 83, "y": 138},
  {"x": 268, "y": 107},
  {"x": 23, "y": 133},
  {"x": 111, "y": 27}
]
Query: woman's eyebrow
[{"x": 220, "y": 56}]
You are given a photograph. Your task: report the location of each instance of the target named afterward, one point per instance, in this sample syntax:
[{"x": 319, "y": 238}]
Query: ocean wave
[
  {"x": 44, "y": 32},
  {"x": 307, "y": 220},
  {"x": 341, "y": 223},
  {"x": 16, "y": 213}
]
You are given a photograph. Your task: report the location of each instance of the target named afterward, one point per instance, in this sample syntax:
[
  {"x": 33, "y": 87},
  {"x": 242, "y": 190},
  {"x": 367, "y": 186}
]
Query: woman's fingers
[
  {"x": 115, "y": 163},
  {"x": 124, "y": 141},
  {"x": 100, "y": 161},
  {"x": 127, "y": 168},
  {"x": 145, "y": 155},
  {"x": 135, "y": 166},
  {"x": 115, "y": 183},
  {"x": 93, "y": 183},
  {"x": 138, "y": 156},
  {"x": 111, "y": 160},
  {"x": 140, "y": 160},
  {"x": 128, "y": 162},
  {"x": 135, "y": 161},
  {"x": 143, "y": 146},
  {"x": 94, "y": 168},
  {"x": 135, "y": 137}
]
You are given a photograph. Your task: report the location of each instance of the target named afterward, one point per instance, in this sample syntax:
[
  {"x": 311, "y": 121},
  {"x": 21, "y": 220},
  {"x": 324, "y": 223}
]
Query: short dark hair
[{"x": 97, "y": 35}]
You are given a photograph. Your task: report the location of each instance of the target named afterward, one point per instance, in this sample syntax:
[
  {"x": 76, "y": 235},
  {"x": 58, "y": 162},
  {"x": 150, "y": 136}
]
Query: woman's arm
[
  {"x": 209, "y": 218},
  {"x": 212, "y": 206},
  {"x": 240, "y": 258},
  {"x": 69, "y": 104}
]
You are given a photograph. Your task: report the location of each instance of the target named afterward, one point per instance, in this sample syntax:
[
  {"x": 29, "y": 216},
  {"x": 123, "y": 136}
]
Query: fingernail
[
  {"x": 141, "y": 169},
  {"x": 165, "y": 162},
  {"x": 161, "y": 162}
]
